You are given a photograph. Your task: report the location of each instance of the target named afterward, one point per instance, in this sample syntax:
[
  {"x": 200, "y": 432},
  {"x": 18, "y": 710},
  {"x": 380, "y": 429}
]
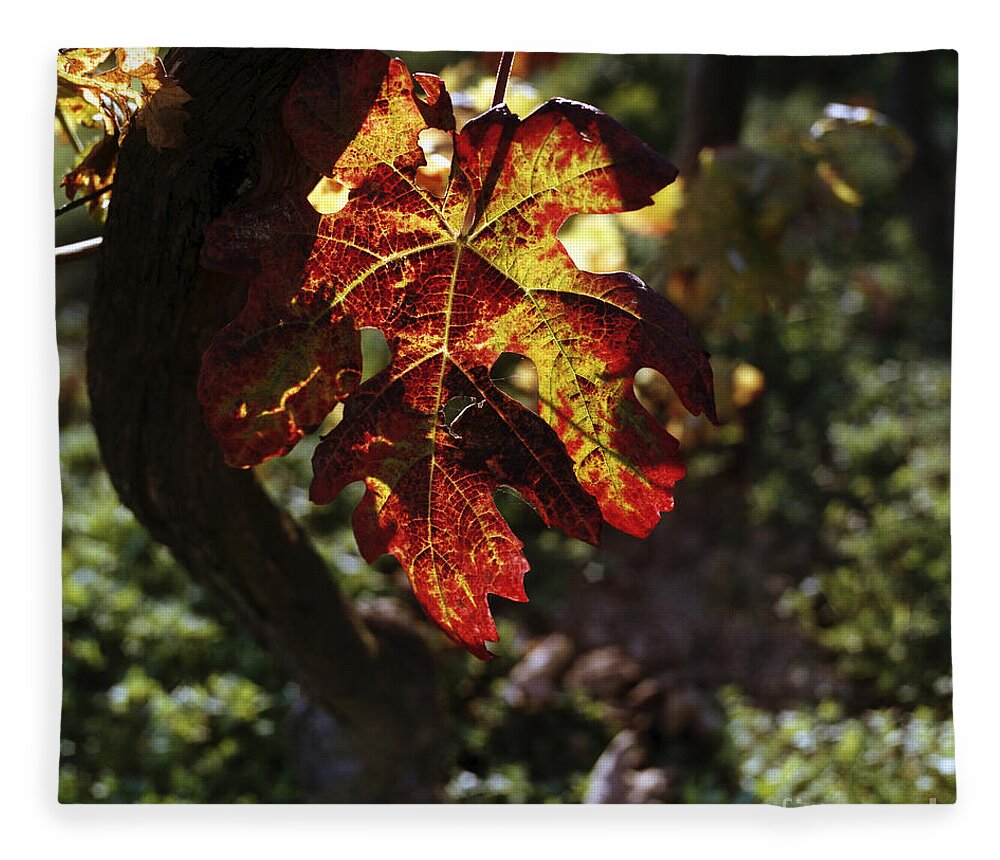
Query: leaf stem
[
  {"x": 503, "y": 75},
  {"x": 73, "y": 204}
]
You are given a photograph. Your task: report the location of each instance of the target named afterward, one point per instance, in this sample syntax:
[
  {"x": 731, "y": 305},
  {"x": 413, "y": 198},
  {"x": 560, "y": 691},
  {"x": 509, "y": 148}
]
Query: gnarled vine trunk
[{"x": 154, "y": 311}]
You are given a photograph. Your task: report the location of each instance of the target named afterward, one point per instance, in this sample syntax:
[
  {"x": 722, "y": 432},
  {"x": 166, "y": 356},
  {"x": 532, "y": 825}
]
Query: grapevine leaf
[
  {"x": 452, "y": 282},
  {"x": 137, "y": 82}
]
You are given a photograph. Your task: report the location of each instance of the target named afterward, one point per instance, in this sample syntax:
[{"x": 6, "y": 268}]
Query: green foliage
[
  {"x": 882, "y": 602},
  {"x": 817, "y": 755},
  {"x": 795, "y": 246},
  {"x": 165, "y": 698}
]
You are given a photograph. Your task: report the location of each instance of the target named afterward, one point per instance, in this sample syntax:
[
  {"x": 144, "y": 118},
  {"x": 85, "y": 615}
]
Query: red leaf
[{"x": 452, "y": 284}]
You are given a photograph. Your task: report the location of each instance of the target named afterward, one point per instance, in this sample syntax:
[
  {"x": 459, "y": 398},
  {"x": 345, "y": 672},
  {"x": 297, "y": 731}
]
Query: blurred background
[{"x": 783, "y": 635}]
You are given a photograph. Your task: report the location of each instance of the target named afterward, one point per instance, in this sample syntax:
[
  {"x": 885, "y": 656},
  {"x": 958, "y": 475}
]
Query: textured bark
[{"x": 154, "y": 311}]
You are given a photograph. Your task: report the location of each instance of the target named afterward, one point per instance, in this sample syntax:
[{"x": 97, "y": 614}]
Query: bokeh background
[{"x": 783, "y": 636}]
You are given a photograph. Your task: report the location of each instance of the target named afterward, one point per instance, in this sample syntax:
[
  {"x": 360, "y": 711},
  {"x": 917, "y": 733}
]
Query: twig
[
  {"x": 503, "y": 75},
  {"x": 73, "y": 204},
  {"x": 77, "y": 250}
]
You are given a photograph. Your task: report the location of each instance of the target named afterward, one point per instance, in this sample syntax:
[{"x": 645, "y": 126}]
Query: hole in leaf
[
  {"x": 328, "y": 196},
  {"x": 595, "y": 243},
  {"x": 108, "y": 64},
  {"x": 332, "y": 420},
  {"x": 434, "y": 176},
  {"x": 657, "y": 397},
  {"x": 375, "y": 355},
  {"x": 517, "y": 377},
  {"x": 434, "y": 141},
  {"x": 455, "y": 406}
]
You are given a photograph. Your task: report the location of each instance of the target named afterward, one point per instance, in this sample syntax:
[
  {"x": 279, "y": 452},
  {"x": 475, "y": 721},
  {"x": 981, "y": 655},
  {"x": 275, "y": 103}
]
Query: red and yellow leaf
[{"x": 452, "y": 282}]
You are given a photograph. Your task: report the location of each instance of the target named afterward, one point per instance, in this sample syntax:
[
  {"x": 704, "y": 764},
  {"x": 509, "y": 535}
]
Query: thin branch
[
  {"x": 78, "y": 250},
  {"x": 503, "y": 75},
  {"x": 73, "y": 204}
]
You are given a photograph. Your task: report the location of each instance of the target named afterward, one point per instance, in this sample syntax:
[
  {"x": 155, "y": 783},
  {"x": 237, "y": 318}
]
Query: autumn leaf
[
  {"x": 164, "y": 115},
  {"x": 134, "y": 89},
  {"x": 452, "y": 282},
  {"x": 95, "y": 171},
  {"x": 110, "y": 91}
]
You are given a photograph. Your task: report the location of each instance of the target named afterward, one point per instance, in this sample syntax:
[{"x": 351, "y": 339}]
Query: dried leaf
[
  {"x": 164, "y": 115},
  {"x": 115, "y": 94},
  {"x": 95, "y": 171}
]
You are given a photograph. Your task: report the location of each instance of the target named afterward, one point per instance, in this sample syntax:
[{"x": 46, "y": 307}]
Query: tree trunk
[
  {"x": 715, "y": 94},
  {"x": 928, "y": 187},
  {"x": 153, "y": 313}
]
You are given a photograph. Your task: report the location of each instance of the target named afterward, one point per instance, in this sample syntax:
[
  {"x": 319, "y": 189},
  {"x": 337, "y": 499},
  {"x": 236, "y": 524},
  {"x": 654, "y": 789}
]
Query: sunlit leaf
[{"x": 452, "y": 282}]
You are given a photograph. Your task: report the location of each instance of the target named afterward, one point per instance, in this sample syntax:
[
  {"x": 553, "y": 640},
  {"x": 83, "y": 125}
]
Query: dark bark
[
  {"x": 928, "y": 187},
  {"x": 153, "y": 313},
  {"x": 715, "y": 94}
]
